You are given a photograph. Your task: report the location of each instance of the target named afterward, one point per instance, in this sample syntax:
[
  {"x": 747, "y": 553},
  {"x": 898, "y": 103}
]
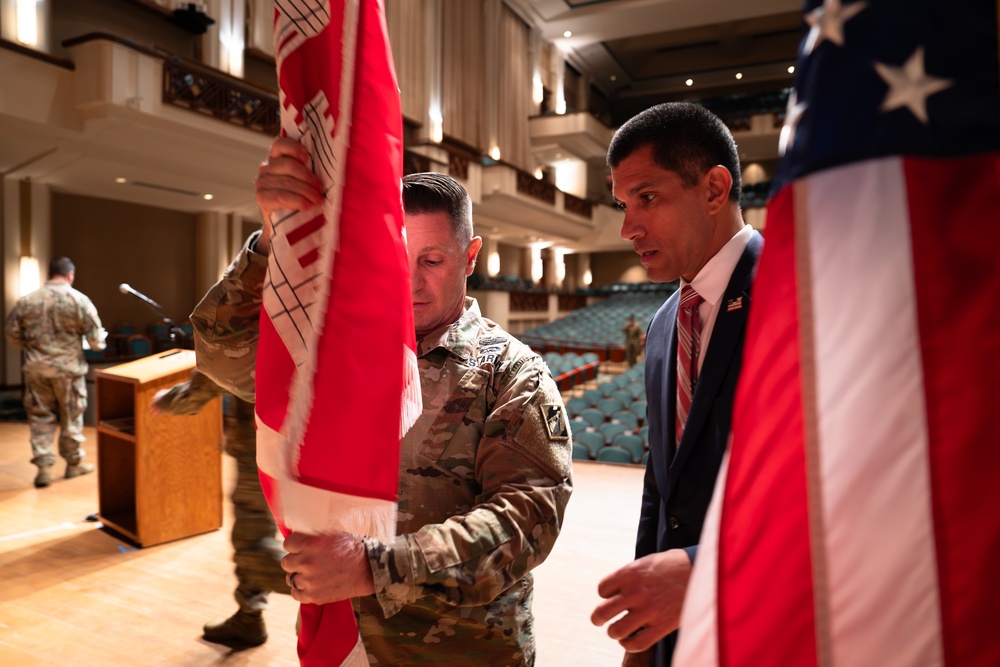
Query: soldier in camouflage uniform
[
  {"x": 50, "y": 325},
  {"x": 484, "y": 473},
  {"x": 633, "y": 341},
  {"x": 256, "y": 551}
]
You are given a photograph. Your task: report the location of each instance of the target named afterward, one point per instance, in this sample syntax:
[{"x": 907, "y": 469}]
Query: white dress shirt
[{"x": 711, "y": 283}]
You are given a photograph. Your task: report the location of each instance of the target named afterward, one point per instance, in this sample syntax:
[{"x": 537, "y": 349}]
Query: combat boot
[
  {"x": 44, "y": 477},
  {"x": 245, "y": 628},
  {"x": 78, "y": 469}
]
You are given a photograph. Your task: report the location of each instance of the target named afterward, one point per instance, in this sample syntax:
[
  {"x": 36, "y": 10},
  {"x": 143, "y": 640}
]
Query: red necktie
[{"x": 688, "y": 345}]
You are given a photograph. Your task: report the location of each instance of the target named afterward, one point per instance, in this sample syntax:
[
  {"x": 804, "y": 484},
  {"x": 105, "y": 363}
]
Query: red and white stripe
[{"x": 855, "y": 524}]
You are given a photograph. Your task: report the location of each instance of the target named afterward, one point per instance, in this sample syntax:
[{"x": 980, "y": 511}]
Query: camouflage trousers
[
  {"x": 51, "y": 402},
  {"x": 632, "y": 354},
  {"x": 257, "y": 552}
]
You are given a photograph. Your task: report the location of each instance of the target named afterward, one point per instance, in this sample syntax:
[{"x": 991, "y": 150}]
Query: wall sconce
[
  {"x": 495, "y": 152},
  {"x": 588, "y": 277},
  {"x": 31, "y": 278},
  {"x": 232, "y": 56},
  {"x": 493, "y": 264},
  {"x": 437, "y": 125},
  {"x": 27, "y": 22}
]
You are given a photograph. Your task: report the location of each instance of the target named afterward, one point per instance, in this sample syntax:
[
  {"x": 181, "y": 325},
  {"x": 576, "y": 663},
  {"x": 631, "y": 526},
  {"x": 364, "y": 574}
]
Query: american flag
[
  {"x": 854, "y": 521},
  {"x": 337, "y": 382}
]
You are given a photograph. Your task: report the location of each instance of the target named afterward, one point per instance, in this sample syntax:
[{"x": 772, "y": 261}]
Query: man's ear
[
  {"x": 475, "y": 245},
  {"x": 718, "y": 181}
]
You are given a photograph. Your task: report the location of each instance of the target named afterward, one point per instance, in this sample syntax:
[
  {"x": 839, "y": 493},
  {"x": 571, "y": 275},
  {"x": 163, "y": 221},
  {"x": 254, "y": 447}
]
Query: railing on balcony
[
  {"x": 574, "y": 204},
  {"x": 198, "y": 89},
  {"x": 528, "y": 185},
  {"x": 458, "y": 165}
]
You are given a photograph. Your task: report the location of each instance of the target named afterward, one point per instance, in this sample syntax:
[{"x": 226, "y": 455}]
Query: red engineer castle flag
[
  {"x": 857, "y": 523},
  {"x": 337, "y": 380}
]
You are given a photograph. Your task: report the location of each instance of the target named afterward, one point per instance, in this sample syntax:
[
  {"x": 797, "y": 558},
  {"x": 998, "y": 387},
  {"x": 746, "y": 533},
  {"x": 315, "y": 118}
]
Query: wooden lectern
[{"x": 159, "y": 475}]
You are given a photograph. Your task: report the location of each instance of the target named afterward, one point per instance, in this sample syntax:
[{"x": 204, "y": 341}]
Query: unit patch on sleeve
[{"x": 554, "y": 416}]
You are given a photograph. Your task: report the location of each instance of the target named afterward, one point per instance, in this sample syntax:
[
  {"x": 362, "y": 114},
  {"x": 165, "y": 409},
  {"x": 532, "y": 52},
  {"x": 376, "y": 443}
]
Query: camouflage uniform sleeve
[
  {"x": 13, "y": 329},
  {"x": 188, "y": 398},
  {"x": 96, "y": 336},
  {"x": 226, "y": 324},
  {"x": 523, "y": 465}
]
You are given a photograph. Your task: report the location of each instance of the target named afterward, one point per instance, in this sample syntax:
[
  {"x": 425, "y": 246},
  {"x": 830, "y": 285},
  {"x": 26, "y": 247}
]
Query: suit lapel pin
[{"x": 734, "y": 304}]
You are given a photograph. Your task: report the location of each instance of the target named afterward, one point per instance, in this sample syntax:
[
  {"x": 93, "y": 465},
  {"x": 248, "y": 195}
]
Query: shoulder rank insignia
[{"x": 554, "y": 416}]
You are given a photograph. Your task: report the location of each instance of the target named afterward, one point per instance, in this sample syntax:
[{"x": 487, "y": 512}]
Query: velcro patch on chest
[{"x": 556, "y": 424}]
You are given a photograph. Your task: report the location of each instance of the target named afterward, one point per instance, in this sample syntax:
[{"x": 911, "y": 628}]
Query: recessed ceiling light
[
  {"x": 119, "y": 180},
  {"x": 791, "y": 69},
  {"x": 207, "y": 197},
  {"x": 568, "y": 33},
  {"x": 689, "y": 82},
  {"x": 739, "y": 75},
  {"x": 614, "y": 78}
]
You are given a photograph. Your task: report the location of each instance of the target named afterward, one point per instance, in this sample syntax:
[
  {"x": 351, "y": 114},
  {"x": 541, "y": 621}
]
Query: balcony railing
[
  {"x": 191, "y": 87},
  {"x": 528, "y": 185}
]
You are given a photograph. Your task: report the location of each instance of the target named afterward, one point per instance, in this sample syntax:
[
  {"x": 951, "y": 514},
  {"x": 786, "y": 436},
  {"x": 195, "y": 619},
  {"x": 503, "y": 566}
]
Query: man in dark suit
[{"x": 676, "y": 174}]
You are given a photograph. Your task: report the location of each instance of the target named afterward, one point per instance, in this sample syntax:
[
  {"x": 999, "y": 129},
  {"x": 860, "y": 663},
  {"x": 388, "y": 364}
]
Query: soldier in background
[
  {"x": 633, "y": 341},
  {"x": 484, "y": 473},
  {"x": 50, "y": 325},
  {"x": 256, "y": 550}
]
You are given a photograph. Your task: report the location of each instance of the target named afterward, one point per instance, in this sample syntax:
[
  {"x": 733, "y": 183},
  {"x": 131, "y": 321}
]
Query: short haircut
[
  {"x": 61, "y": 266},
  {"x": 430, "y": 192},
  {"x": 686, "y": 139}
]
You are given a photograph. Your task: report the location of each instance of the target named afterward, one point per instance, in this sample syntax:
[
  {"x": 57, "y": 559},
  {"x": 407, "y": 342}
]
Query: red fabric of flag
[{"x": 336, "y": 366}]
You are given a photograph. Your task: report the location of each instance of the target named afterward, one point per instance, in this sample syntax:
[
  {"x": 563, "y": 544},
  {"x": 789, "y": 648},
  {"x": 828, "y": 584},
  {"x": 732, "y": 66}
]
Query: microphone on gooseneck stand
[
  {"x": 175, "y": 330},
  {"x": 125, "y": 288}
]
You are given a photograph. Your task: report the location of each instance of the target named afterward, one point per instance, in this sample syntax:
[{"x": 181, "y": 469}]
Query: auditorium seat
[
  {"x": 614, "y": 455},
  {"x": 592, "y": 440},
  {"x": 632, "y": 443},
  {"x": 592, "y": 416},
  {"x": 139, "y": 345},
  {"x": 624, "y": 397},
  {"x": 610, "y": 429},
  {"x": 576, "y": 405},
  {"x": 577, "y": 425},
  {"x": 626, "y": 417},
  {"x": 609, "y": 406}
]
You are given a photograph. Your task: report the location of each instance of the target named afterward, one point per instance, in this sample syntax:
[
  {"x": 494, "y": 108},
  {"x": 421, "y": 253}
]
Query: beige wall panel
[{"x": 151, "y": 249}]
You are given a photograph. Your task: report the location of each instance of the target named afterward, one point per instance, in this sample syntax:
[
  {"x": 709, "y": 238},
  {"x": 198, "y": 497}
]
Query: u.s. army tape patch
[{"x": 554, "y": 416}]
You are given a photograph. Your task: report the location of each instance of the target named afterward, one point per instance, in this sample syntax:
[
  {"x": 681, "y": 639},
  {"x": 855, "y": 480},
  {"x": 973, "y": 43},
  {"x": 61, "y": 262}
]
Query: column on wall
[
  {"x": 557, "y": 65},
  {"x": 225, "y": 40},
  {"x": 549, "y": 271},
  {"x": 536, "y": 48},
  {"x": 491, "y": 77},
  {"x": 462, "y": 38},
  {"x": 433, "y": 76},
  {"x": 260, "y": 26},
  {"x": 532, "y": 267},
  {"x": 415, "y": 36},
  {"x": 213, "y": 251},
  {"x": 27, "y": 249},
  {"x": 488, "y": 263},
  {"x": 582, "y": 274}
]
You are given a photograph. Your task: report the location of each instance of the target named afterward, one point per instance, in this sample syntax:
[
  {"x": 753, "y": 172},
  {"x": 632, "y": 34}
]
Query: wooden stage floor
[{"x": 71, "y": 594}]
